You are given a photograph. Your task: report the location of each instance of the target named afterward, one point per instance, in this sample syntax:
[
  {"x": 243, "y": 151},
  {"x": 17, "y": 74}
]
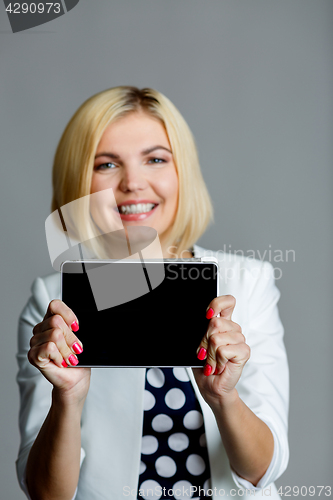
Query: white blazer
[{"x": 112, "y": 417}]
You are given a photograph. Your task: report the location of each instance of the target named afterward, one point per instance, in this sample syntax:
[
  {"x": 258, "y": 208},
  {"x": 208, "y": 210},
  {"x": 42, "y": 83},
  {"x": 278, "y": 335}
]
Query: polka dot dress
[{"x": 174, "y": 458}]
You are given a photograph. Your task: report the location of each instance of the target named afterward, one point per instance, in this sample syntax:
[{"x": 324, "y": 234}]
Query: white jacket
[{"x": 112, "y": 417}]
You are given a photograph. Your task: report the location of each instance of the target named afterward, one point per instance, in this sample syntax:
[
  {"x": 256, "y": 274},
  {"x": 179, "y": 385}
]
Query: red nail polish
[
  {"x": 77, "y": 348},
  {"x": 209, "y": 313},
  {"x": 207, "y": 370},
  {"x": 64, "y": 364},
  {"x": 73, "y": 360},
  {"x": 202, "y": 353},
  {"x": 75, "y": 326}
]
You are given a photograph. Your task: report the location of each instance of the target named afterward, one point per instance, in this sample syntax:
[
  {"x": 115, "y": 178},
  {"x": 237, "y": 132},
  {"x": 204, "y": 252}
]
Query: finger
[
  {"x": 217, "y": 325},
  {"x": 41, "y": 355},
  {"x": 57, "y": 321},
  {"x": 219, "y": 340},
  {"x": 221, "y": 325},
  {"x": 59, "y": 307},
  {"x": 234, "y": 353},
  {"x": 56, "y": 337},
  {"x": 223, "y": 305}
]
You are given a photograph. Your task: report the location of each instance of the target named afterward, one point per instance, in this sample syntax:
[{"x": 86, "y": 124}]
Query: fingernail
[
  {"x": 202, "y": 353},
  {"x": 75, "y": 326},
  {"x": 73, "y": 360},
  {"x": 64, "y": 364},
  {"x": 209, "y": 313},
  {"x": 207, "y": 370},
  {"x": 77, "y": 348}
]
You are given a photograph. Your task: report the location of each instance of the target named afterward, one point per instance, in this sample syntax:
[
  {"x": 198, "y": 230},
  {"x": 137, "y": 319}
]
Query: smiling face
[{"x": 134, "y": 158}]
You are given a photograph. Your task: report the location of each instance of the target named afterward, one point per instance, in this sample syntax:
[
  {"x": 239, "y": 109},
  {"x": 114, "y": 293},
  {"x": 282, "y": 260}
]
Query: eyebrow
[{"x": 144, "y": 152}]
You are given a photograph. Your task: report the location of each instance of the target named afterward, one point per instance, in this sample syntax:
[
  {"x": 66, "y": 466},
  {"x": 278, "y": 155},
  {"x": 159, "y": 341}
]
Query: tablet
[{"x": 135, "y": 313}]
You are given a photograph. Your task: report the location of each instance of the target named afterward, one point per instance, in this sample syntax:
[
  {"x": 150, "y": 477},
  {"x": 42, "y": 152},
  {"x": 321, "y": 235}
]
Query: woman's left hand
[{"x": 225, "y": 351}]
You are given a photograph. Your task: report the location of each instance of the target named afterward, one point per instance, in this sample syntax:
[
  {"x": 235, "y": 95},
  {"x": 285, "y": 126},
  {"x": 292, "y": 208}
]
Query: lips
[{"x": 136, "y": 216}]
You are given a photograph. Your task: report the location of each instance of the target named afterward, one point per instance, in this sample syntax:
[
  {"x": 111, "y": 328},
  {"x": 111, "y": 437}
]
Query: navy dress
[{"x": 174, "y": 458}]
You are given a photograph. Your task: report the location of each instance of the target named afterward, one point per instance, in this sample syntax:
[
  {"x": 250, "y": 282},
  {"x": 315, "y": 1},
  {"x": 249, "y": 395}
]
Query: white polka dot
[
  {"x": 181, "y": 490},
  {"x": 178, "y": 441},
  {"x": 143, "y": 467},
  {"x": 202, "y": 440},
  {"x": 195, "y": 465},
  {"x": 175, "y": 399},
  {"x": 181, "y": 374},
  {"x": 155, "y": 377},
  {"x": 150, "y": 490},
  {"x": 207, "y": 485},
  {"x": 165, "y": 466},
  {"x": 193, "y": 420},
  {"x": 148, "y": 400},
  {"x": 162, "y": 423},
  {"x": 149, "y": 445}
]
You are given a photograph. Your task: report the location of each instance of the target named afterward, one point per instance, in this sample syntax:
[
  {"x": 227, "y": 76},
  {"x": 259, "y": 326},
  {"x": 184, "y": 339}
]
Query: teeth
[{"x": 138, "y": 208}]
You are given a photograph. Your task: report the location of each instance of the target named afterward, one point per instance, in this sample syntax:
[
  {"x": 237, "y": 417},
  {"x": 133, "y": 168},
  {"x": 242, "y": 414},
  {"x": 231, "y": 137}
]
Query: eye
[
  {"x": 156, "y": 160},
  {"x": 106, "y": 166}
]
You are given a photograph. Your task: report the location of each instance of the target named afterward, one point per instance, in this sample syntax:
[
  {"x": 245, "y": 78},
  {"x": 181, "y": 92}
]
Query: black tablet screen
[{"x": 140, "y": 315}]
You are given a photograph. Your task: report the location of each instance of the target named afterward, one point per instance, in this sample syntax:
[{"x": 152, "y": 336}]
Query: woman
[{"x": 137, "y": 143}]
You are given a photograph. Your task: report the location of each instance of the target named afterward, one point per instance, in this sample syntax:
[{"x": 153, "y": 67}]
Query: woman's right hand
[{"x": 54, "y": 346}]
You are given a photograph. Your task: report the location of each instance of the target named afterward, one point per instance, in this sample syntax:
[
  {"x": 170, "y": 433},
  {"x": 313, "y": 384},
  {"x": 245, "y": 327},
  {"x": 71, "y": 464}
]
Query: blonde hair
[{"x": 74, "y": 157}]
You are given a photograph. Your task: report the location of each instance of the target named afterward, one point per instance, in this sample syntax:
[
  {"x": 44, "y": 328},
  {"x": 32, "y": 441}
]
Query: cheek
[
  {"x": 99, "y": 183},
  {"x": 168, "y": 187},
  {"x": 94, "y": 184}
]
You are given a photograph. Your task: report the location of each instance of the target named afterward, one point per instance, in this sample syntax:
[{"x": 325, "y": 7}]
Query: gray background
[{"x": 253, "y": 78}]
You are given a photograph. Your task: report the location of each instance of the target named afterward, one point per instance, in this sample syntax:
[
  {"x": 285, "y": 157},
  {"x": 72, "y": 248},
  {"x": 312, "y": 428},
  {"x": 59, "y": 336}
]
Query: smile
[
  {"x": 136, "y": 208},
  {"x": 136, "y": 211}
]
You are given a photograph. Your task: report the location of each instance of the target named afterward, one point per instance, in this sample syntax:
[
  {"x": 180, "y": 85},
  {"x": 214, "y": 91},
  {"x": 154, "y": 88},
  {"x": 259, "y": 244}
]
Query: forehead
[{"x": 135, "y": 129}]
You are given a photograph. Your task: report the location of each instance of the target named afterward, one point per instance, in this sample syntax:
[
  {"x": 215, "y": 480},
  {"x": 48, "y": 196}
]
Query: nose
[{"x": 132, "y": 179}]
